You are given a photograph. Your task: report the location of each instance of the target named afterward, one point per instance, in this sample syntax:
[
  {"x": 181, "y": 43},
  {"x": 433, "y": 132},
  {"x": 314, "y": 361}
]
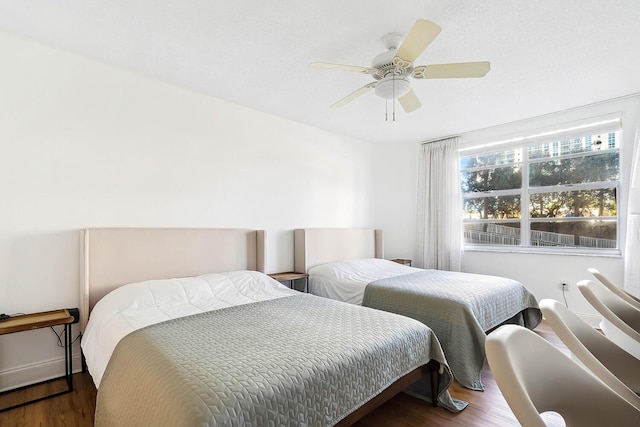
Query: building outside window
[{"x": 555, "y": 191}]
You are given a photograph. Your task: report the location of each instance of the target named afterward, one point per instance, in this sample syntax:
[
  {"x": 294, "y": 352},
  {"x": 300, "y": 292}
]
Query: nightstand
[
  {"x": 402, "y": 261},
  {"x": 27, "y": 322},
  {"x": 290, "y": 277}
]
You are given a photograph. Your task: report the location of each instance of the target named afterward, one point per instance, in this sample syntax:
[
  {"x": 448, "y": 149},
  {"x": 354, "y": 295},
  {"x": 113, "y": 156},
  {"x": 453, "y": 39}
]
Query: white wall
[
  {"x": 396, "y": 175},
  {"x": 87, "y": 145},
  {"x": 395, "y": 196}
]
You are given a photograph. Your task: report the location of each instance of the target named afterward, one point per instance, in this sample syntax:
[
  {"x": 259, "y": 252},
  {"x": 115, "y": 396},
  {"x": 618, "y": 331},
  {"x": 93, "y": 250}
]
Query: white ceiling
[{"x": 546, "y": 55}]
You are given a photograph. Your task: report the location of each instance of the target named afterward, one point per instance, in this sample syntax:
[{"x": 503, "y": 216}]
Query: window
[{"x": 553, "y": 193}]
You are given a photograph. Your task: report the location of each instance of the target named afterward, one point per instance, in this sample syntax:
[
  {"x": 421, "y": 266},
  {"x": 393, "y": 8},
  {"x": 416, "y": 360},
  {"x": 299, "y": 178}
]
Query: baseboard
[{"x": 36, "y": 372}]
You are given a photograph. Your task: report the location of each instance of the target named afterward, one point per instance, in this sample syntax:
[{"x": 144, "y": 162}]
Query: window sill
[{"x": 606, "y": 253}]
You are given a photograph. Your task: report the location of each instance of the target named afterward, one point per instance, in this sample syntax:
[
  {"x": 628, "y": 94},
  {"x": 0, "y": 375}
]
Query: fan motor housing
[{"x": 385, "y": 67}]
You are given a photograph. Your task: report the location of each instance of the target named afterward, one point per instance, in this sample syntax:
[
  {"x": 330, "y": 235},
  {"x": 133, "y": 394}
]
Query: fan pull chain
[{"x": 386, "y": 110}]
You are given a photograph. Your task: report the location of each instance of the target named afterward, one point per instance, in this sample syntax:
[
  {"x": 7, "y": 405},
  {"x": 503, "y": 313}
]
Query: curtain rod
[{"x": 429, "y": 141}]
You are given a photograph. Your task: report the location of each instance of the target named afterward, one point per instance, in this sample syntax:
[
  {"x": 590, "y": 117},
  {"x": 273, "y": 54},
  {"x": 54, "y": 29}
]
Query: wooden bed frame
[{"x": 163, "y": 253}]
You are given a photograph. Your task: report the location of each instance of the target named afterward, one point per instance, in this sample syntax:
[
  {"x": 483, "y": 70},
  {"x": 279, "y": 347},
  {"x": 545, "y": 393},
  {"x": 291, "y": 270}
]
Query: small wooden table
[
  {"x": 27, "y": 322},
  {"x": 291, "y": 277}
]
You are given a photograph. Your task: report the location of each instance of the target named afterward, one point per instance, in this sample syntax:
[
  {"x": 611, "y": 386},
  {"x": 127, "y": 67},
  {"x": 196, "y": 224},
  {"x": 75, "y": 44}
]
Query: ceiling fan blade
[
  {"x": 419, "y": 37},
  {"x": 343, "y": 67},
  {"x": 452, "y": 71},
  {"x": 409, "y": 101},
  {"x": 353, "y": 95}
]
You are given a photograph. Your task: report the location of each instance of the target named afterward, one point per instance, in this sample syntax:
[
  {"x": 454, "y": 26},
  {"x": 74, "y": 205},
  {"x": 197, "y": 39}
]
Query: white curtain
[
  {"x": 632, "y": 246},
  {"x": 439, "y": 227}
]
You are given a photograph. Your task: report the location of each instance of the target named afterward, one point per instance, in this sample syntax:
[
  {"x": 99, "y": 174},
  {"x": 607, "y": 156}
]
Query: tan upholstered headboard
[
  {"x": 113, "y": 257},
  {"x": 314, "y": 246}
]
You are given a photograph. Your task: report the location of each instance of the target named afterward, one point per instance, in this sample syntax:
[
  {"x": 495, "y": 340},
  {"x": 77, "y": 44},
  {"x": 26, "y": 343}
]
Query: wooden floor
[{"x": 487, "y": 408}]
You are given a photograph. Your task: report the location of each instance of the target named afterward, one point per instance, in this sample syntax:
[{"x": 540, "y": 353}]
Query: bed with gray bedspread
[
  {"x": 459, "y": 308},
  {"x": 299, "y": 360}
]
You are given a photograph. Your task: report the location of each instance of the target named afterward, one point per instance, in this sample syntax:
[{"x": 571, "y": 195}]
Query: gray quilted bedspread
[
  {"x": 299, "y": 360},
  {"x": 459, "y": 308}
]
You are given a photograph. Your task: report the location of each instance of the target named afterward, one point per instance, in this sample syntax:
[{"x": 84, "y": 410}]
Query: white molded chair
[
  {"x": 624, "y": 317},
  {"x": 612, "y": 364},
  {"x": 536, "y": 377},
  {"x": 631, "y": 299}
]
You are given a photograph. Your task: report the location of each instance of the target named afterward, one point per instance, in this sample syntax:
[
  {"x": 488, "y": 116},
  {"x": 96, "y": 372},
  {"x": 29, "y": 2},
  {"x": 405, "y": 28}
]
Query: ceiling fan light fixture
[
  {"x": 392, "y": 88},
  {"x": 390, "y": 70}
]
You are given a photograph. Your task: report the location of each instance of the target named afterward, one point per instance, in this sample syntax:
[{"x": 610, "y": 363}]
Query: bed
[
  {"x": 180, "y": 327},
  {"x": 347, "y": 264}
]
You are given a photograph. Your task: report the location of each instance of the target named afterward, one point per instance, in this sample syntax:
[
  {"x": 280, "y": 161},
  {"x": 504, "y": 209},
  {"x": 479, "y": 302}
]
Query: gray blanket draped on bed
[
  {"x": 298, "y": 360},
  {"x": 459, "y": 308}
]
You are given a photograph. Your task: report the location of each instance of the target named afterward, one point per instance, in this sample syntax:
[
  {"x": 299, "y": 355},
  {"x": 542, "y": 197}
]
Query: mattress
[
  {"x": 138, "y": 305},
  {"x": 346, "y": 280},
  {"x": 458, "y": 307},
  {"x": 239, "y": 348}
]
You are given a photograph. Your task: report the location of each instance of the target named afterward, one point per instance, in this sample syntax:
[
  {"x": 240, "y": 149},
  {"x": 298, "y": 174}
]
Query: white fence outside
[{"x": 510, "y": 236}]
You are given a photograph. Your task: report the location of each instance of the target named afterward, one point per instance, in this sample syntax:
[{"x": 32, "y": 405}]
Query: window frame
[{"x": 603, "y": 126}]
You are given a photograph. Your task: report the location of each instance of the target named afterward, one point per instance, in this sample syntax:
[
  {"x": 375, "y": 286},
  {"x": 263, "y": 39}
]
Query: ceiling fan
[{"x": 392, "y": 68}]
